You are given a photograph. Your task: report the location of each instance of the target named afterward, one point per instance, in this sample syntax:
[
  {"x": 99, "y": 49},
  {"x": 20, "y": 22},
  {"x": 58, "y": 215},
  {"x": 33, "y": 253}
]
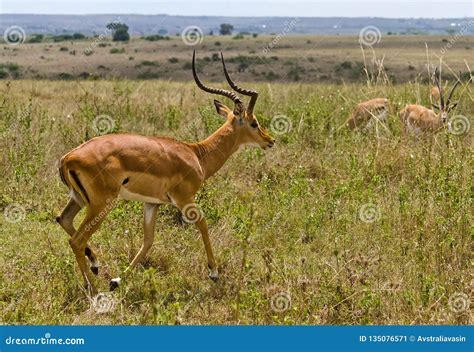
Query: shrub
[
  {"x": 173, "y": 60},
  {"x": 117, "y": 50}
]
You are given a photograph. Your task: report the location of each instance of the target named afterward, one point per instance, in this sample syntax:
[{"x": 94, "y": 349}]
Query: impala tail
[{"x": 71, "y": 179}]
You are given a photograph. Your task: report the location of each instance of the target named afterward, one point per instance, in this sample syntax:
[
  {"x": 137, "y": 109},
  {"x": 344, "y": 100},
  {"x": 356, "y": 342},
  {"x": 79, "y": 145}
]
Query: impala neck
[{"x": 214, "y": 151}]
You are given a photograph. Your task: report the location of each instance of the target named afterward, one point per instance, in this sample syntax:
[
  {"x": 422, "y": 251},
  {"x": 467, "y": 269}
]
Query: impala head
[
  {"x": 445, "y": 106},
  {"x": 242, "y": 118}
]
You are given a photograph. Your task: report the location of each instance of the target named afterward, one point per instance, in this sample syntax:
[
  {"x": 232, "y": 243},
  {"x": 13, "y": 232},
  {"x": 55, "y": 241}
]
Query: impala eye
[{"x": 254, "y": 124}]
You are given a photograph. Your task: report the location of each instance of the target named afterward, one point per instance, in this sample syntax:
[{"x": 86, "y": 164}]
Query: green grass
[{"x": 283, "y": 223}]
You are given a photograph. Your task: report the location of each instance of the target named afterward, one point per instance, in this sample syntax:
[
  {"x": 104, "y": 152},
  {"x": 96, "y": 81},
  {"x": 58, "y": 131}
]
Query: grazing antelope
[
  {"x": 417, "y": 118},
  {"x": 367, "y": 112},
  {"x": 153, "y": 170}
]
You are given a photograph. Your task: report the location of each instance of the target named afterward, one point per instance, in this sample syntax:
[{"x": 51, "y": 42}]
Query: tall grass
[{"x": 328, "y": 227}]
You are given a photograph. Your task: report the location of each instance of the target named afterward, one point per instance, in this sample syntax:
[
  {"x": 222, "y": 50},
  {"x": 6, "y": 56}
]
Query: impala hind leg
[
  {"x": 149, "y": 220},
  {"x": 66, "y": 220},
  {"x": 78, "y": 242},
  {"x": 192, "y": 214}
]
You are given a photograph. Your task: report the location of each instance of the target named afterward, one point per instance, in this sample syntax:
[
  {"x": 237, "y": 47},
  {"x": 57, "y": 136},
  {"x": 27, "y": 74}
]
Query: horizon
[
  {"x": 387, "y": 9},
  {"x": 263, "y": 16}
]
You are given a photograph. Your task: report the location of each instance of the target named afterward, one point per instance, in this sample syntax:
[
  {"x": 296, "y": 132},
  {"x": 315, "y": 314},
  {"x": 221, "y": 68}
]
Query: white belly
[{"x": 126, "y": 194}]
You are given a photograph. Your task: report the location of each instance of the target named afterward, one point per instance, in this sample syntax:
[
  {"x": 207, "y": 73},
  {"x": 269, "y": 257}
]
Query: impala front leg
[
  {"x": 192, "y": 214},
  {"x": 211, "y": 262}
]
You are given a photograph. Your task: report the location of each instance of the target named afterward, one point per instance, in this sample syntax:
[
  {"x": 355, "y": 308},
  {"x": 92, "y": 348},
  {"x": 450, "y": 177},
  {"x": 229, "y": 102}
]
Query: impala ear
[{"x": 222, "y": 109}]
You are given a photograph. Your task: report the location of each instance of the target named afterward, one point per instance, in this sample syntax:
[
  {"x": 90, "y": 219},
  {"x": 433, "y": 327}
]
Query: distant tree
[
  {"x": 211, "y": 32},
  {"x": 78, "y": 36},
  {"x": 37, "y": 38},
  {"x": 119, "y": 32},
  {"x": 226, "y": 29}
]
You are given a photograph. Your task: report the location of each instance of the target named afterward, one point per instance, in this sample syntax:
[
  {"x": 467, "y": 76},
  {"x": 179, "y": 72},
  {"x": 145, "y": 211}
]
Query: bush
[
  {"x": 78, "y": 36},
  {"x": 148, "y": 75},
  {"x": 156, "y": 37},
  {"x": 173, "y": 60},
  {"x": 37, "y": 38},
  {"x": 117, "y": 50},
  {"x": 63, "y": 48},
  {"x": 149, "y": 63},
  {"x": 64, "y": 76}
]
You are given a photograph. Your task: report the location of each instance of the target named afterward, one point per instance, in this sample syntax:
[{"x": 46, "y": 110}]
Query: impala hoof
[
  {"x": 95, "y": 270},
  {"x": 114, "y": 283},
  {"x": 214, "y": 275}
]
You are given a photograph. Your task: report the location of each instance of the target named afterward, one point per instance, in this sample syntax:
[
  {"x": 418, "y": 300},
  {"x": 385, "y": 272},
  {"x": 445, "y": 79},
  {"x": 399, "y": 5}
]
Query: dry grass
[{"x": 282, "y": 222}]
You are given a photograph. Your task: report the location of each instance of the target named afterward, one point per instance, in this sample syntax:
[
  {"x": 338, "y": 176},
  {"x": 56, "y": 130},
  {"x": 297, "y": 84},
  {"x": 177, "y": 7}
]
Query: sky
[{"x": 300, "y": 8}]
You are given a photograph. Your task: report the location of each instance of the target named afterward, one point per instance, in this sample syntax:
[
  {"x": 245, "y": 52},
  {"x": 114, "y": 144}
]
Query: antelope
[
  {"x": 152, "y": 170},
  {"x": 417, "y": 118},
  {"x": 366, "y": 112}
]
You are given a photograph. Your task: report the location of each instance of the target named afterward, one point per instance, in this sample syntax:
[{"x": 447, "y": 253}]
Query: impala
[
  {"x": 153, "y": 170},
  {"x": 368, "y": 111},
  {"x": 417, "y": 118}
]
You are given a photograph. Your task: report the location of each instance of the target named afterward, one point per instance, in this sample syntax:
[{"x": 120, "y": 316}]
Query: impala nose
[{"x": 271, "y": 144}]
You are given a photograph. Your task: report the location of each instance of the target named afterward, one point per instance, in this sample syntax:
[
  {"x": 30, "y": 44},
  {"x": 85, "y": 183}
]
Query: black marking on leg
[
  {"x": 58, "y": 219},
  {"x": 125, "y": 181},
  {"x": 88, "y": 252}
]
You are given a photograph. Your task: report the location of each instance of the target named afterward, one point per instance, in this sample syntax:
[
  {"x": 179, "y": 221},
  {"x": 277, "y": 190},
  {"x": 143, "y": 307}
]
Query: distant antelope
[
  {"x": 367, "y": 112},
  {"x": 153, "y": 170},
  {"x": 417, "y": 118}
]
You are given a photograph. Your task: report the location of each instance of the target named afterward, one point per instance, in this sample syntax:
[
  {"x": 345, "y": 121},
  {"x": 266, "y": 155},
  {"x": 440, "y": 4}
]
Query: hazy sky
[{"x": 309, "y": 8}]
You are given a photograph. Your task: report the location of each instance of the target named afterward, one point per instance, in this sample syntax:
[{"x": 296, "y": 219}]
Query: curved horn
[
  {"x": 237, "y": 101},
  {"x": 251, "y": 93},
  {"x": 437, "y": 79},
  {"x": 453, "y": 89}
]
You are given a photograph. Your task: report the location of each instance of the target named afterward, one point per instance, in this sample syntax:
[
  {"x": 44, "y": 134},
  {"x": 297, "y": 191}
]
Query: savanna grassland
[
  {"x": 328, "y": 227},
  {"x": 287, "y": 58}
]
